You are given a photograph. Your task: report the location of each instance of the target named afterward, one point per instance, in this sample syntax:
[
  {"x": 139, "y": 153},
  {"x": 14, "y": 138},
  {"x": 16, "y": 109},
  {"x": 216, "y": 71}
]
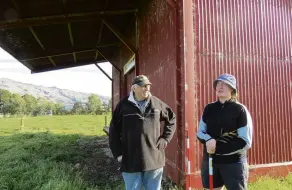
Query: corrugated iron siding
[{"x": 252, "y": 40}]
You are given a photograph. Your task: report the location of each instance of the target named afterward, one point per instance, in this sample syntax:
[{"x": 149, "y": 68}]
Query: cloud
[
  {"x": 87, "y": 79},
  {"x": 15, "y": 70}
]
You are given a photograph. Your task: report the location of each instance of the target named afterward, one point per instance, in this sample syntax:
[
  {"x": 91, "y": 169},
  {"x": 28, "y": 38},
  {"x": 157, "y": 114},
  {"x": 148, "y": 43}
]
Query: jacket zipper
[{"x": 222, "y": 128}]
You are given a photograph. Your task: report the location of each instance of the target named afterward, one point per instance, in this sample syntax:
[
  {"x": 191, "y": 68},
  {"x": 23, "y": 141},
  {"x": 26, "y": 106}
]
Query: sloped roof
[{"x": 47, "y": 35}]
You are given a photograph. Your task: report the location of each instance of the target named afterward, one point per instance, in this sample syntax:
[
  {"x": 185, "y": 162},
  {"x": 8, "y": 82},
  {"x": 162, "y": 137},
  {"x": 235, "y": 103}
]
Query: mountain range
[{"x": 54, "y": 94}]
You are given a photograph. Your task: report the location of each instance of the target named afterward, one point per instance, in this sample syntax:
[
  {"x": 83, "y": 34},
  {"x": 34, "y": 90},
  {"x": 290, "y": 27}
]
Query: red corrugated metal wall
[
  {"x": 158, "y": 60},
  {"x": 252, "y": 40}
]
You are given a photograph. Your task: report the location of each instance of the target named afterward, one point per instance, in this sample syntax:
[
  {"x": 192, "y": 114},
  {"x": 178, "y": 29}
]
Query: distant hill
[{"x": 66, "y": 97}]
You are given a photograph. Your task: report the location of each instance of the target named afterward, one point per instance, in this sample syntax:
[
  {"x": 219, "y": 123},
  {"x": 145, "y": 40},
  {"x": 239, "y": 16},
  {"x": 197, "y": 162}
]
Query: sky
[{"x": 88, "y": 79}]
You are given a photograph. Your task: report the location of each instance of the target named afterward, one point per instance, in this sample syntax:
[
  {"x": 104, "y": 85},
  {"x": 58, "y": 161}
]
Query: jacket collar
[
  {"x": 226, "y": 102},
  {"x": 132, "y": 99}
]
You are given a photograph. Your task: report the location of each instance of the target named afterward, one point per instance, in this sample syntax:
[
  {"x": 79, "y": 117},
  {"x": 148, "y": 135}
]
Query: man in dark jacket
[{"x": 136, "y": 139}]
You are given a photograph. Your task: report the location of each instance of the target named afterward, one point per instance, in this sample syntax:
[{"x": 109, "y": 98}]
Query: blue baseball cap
[{"x": 226, "y": 78}]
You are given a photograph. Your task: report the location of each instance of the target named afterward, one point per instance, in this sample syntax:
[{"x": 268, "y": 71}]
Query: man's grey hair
[{"x": 133, "y": 87}]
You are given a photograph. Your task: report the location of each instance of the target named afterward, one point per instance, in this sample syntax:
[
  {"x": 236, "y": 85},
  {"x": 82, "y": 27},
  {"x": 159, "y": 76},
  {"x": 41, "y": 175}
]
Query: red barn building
[{"x": 182, "y": 46}]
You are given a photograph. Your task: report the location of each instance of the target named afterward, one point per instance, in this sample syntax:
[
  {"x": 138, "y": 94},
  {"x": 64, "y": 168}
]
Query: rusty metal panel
[
  {"x": 252, "y": 40},
  {"x": 158, "y": 55}
]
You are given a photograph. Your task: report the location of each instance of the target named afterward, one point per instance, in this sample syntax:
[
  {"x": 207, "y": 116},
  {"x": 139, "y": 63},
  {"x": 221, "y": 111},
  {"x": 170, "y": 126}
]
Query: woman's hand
[{"x": 211, "y": 146}]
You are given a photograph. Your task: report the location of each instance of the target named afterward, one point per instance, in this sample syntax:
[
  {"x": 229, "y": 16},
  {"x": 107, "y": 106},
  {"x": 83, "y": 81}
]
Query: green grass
[
  {"x": 269, "y": 183},
  {"x": 70, "y": 155},
  {"x": 73, "y": 124}
]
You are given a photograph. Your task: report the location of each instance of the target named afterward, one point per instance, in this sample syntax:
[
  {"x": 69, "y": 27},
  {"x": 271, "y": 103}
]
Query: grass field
[
  {"x": 268, "y": 183},
  {"x": 68, "y": 153},
  {"x": 88, "y": 125},
  {"x": 60, "y": 152}
]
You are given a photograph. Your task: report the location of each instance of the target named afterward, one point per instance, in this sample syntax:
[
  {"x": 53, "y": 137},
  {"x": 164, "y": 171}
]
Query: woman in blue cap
[{"x": 226, "y": 131}]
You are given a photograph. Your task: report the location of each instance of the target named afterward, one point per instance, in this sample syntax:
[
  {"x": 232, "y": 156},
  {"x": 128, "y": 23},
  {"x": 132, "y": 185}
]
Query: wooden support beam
[
  {"x": 127, "y": 29},
  {"x": 56, "y": 55},
  {"x": 72, "y": 41},
  {"x": 52, "y": 61},
  {"x": 75, "y": 59},
  {"x": 70, "y": 34},
  {"x": 100, "y": 32},
  {"x": 119, "y": 36},
  {"x": 58, "y": 19},
  {"x": 101, "y": 54},
  {"x": 96, "y": 55},
  {"x": 36, "y": 38},
  {"x": 64, "y": 66},
  {"x": 101, "y": 24},
  {"x": 64, "y": 2},
  {"x": 106, "y": 3},
  {"x": 16, "y": 6},
  {"x": 103, "y": 72},
  {"x": 64, "y": 6},
  {"x": 68, "y": 52},
  {"x": 99, "y": 38},
  {"x": 117, "y": 68}
]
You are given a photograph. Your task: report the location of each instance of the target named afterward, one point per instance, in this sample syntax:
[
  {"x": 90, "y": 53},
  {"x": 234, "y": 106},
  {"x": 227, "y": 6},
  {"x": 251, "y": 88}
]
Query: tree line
[{"x": 15, "y": 104}]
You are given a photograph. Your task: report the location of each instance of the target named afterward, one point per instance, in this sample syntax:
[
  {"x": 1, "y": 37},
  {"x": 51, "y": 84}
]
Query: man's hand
[
  {"x": 161, "y": 144},
  {"x": 120, "y": 158},
  {"x": 211, "y": 146}
]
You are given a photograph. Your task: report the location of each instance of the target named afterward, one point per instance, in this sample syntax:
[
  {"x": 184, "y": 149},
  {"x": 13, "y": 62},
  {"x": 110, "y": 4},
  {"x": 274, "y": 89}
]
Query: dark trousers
[{"x": 233, "y": 176}]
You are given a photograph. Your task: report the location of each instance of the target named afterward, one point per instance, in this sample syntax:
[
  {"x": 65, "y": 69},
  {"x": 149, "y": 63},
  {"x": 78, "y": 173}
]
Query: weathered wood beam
[
  {"x": 100, "y": 32},
  {"x": 64, "y": 66},
  {"x": 16, "y": 5},
  {"x": 120, "y": 36},
  {"x": 52, "y": 61},
  {"x": 96, "y": 55},
  {"x": 70, "y": 34},
  {"x": 99, "y": 38},
  {"x": 68, "y": 52},
  {"x": 64, "y": 2},
  {"x": 58, "y": 19},
  {"x": 117, "y": 68},
  {"x": 103, "y": 72},
  {"x": 75, "y": 59},
  {"x": 37, "y": 38}
]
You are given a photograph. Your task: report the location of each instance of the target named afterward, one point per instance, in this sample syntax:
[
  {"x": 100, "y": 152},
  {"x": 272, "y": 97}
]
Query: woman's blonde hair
[{"x": 234, "y": 95}]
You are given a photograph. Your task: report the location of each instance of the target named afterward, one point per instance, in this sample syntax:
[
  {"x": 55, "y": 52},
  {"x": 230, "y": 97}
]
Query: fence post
[
  {"x": 105, "y": 120},
  {"x": 21, "y": 123}
]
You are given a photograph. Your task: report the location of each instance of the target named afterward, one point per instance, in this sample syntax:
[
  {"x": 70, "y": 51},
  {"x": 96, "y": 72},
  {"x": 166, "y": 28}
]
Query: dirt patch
[{"x": 98, "y": 168}]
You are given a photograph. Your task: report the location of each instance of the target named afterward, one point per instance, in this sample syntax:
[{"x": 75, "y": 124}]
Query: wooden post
[
  {"x": 21, "y": 124},
  {"x": 105, "y": 120}
]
